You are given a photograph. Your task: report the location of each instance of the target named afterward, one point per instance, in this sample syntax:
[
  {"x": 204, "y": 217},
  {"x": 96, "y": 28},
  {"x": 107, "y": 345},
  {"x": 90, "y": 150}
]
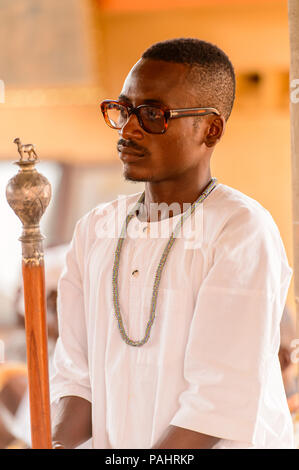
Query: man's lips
[
  {"x": 130, "y": 148},
  {"x": 123, "y": 149},
  {"x": 128, "y": 154}
]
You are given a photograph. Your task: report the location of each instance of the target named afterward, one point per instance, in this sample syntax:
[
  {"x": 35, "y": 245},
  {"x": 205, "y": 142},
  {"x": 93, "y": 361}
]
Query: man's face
[{"x": 181, "y": 150}]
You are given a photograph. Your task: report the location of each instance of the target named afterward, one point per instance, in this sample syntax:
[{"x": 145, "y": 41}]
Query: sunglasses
[{"x": 152, "y": 118}]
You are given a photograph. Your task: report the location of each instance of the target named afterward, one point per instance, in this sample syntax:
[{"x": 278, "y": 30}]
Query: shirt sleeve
[
  {"x": 234, "y": 334},
  {"x": 70, "y": 364}
]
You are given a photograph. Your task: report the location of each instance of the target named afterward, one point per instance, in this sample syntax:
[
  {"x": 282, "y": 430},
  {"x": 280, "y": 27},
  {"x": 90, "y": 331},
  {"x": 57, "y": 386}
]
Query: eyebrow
[
  {"x": 124, "y": 98},
  {"x": 148, "y": 101}
]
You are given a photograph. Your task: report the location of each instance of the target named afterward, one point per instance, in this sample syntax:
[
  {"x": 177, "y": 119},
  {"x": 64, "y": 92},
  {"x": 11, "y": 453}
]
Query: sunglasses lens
[
  {"x": 116, "y": 114},
  {"x": 153, "y": 119}
]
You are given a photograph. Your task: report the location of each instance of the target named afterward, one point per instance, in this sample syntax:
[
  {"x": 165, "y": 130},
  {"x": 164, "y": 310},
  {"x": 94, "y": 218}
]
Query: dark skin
[
  {"x": 72, "y": 424},
  {"x": 175, "y": 167}
]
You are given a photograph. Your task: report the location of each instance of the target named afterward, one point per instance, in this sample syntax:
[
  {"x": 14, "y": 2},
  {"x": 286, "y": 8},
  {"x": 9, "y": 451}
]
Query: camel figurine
[{"x": 27, "y": 148}]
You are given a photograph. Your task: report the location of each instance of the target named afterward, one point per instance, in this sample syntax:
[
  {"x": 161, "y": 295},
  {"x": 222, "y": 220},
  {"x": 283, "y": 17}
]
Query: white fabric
[{"x": 211, "y": 363}]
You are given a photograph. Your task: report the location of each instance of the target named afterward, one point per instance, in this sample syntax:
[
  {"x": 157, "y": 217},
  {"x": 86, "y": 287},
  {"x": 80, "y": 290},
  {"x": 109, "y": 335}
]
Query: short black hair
[{"x": 210, "y": 69}]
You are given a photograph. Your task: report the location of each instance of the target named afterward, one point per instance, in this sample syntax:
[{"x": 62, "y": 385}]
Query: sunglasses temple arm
[{"x": 178, "y": 114}]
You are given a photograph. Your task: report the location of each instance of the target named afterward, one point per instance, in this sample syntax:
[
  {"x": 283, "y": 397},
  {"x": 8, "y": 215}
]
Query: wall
[{"x": 65, "y": 124}]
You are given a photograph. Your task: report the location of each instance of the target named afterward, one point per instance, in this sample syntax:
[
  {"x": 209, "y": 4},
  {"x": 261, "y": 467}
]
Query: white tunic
[{"x": 211, "y": 363}]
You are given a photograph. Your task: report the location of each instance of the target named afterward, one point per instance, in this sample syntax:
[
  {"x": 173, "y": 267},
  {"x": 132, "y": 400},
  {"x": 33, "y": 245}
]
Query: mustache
[{"x": 131, "y": 144}]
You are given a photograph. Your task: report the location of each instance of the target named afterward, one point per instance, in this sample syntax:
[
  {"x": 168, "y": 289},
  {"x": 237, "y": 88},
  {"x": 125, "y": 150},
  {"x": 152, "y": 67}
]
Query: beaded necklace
[{"x": 159, "y": 270}]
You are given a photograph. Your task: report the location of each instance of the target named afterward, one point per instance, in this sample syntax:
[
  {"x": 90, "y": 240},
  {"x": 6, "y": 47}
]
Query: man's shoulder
[
  {"x": 230, "y": 208},
  {"x": 230, "y": 202},
  {"x": 234, "y": 199}
]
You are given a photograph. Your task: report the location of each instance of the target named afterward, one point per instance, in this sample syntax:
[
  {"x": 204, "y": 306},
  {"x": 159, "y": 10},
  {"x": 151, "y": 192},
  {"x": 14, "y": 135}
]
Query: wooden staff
[
  {"x": 294, "y": 110},
  {"x": 29, "y": 193}
]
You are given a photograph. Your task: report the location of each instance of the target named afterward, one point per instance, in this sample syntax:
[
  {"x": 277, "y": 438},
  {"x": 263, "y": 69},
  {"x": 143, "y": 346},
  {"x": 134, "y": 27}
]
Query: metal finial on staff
[{"x": 29, "y": 193}]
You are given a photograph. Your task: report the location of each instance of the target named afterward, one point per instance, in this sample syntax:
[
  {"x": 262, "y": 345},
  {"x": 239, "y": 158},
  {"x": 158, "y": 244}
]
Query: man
[
  {"x": 288, "y": 367},
  {"x": 171, "y": 341}
]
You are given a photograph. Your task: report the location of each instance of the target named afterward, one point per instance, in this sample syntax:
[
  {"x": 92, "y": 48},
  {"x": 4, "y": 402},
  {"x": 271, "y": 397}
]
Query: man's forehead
[
  {"x": 150, "y": 67},
  {"x": 155, "y": 80}
]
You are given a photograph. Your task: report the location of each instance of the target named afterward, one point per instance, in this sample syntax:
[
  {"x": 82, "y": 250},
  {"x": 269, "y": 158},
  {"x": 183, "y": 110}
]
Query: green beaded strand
[{"x": 159, "y": 270}]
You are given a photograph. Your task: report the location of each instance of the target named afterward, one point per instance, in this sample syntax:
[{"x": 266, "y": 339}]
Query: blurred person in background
[
  {"x": 13, "y": 387},
  {"x": 289, "y": 368},
  {"x": 14, "y": 397},
  {"x": 191, "y": 362}
]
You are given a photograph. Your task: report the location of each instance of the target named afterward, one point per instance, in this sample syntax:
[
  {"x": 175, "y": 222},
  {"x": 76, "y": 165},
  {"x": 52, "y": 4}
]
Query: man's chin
[{"x": 134, "y": 178}]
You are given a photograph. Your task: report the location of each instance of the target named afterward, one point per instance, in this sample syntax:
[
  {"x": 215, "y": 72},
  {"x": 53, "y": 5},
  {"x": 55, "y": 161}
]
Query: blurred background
[{"x": 59, "y": 59}]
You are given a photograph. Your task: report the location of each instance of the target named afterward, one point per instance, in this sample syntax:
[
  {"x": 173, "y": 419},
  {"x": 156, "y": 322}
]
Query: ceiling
[{"x": 144, "y": 5}]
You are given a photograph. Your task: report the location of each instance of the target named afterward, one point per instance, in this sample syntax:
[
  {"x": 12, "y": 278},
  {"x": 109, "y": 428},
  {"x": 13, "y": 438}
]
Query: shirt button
[{"x": 135, "y": 273}]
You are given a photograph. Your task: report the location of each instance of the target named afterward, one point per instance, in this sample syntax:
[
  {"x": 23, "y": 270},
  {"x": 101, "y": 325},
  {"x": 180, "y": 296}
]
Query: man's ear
[
  {"x": 284, "y": 357},
  {"x": 215, "y": 131}
]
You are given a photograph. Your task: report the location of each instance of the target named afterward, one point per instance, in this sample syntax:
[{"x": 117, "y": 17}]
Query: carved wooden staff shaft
[{"x": 29, "y": 193}]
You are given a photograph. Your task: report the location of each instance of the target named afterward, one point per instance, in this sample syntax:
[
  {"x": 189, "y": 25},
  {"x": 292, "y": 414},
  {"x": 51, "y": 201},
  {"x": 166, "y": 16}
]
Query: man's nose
[{"x": 131, "y": 129}]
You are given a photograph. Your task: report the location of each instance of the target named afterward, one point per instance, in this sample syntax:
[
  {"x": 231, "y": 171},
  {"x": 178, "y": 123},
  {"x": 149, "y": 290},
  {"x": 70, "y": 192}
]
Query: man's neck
[{"x": 164, "y": 200}]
